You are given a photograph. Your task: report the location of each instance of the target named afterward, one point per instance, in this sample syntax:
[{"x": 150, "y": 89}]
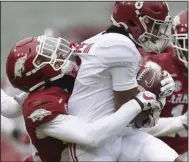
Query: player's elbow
[
  {"x": 93, "y": 141},
  {"x": 11, "y": 109}
]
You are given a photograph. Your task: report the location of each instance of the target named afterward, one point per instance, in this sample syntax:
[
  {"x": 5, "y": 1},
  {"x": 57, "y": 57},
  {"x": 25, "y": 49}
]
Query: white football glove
[
  {"x": 162, "y": 101},
  {"x": 155, "y": 114},
  {"x": 168, "y": 84},
  {"x": 147, "y": 100},
  {"x": 185, "y": 120},
  {"x": 152, "y": 119}
]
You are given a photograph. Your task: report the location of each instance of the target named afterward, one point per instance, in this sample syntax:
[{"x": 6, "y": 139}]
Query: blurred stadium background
[
  {"x": 73, "y": 20},
  {"x": 24, "y": 19}
]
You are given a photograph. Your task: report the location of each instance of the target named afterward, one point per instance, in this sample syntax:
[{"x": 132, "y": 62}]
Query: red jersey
[
  {"x": 177, "y": 103},
  {"x": 39, "y": 108}
]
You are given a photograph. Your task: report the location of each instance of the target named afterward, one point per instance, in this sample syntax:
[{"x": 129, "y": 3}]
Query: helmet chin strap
[
  {"x": 37, "y": 86},
  {"x": 159, "y": 46}
]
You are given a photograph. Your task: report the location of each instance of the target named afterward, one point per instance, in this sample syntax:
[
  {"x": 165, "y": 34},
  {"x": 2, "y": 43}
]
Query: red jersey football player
[
  {"x": 172, "y": 127},
  {"x": 41, "y": 67}
]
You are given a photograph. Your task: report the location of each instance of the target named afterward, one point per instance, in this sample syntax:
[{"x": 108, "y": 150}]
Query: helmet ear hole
[
  {"x": 131, "y": 23},
  {"x": 40, "y": 76},
  {"x": 29, "y": 50}
]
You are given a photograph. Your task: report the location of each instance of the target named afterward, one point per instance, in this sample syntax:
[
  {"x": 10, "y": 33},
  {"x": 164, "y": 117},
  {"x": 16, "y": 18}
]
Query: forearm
[
  {"x": 166, "y": 126},
  {"x": 109, "y": 126},
  {"x": 122, "y": 97},
  {"x": 9, "y": 107},
  {"x": 73, "y": 129}
]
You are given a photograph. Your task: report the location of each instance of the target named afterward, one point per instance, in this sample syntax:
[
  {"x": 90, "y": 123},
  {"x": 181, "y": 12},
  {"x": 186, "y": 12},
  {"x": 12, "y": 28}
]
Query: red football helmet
[
  {"x": 180, "y": 29},
  {"x": 149, "y": 23},
  {"x": 36, "y": 60}
]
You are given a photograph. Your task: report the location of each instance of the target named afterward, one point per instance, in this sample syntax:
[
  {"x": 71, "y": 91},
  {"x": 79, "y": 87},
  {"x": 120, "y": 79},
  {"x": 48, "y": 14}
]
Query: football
[{"x": 149, "y": 78}]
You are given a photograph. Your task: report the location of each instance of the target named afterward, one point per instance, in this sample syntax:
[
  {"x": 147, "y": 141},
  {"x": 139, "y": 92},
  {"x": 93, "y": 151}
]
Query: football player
[
  {"x": 172, "y": 127},
  {"x": 107, "y": 79},
  {"x": 40, "y": 67}
]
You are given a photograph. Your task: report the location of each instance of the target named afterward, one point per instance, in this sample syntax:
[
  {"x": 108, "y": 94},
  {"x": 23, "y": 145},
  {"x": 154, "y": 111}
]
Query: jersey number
[
  {"x": 139, "y": 5},
  {"x": 84, "y": 47},
  {"x": 177, "y": 111}
]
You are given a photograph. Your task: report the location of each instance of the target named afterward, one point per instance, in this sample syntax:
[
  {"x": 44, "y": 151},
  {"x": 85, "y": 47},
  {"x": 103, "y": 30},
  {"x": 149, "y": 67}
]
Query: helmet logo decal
[
  {"x": 139, "y": 5},
  {"x": 19, "y": 66},
  {"x": 39, "y": 114}
]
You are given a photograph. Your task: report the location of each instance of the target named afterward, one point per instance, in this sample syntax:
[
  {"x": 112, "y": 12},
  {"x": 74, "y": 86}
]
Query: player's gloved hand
[
  {"x": 154, "y": 114},
  {"x": 168, "y": 84},
  {"x": 152, "y": 119},
  {"x": 184, "y": 120},
  {"x": 147, "y": 100}
]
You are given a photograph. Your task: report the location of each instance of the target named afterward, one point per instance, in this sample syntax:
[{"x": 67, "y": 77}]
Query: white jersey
[{"x": 110, "y": 62}]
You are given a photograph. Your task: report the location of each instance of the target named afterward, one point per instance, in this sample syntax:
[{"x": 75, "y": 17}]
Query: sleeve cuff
[{"x": 124, "y": 87}]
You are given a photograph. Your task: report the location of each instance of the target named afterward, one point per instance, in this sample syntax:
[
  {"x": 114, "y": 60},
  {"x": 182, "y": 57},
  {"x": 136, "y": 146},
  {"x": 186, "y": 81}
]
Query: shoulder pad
[{"x": 43, "y": 106}]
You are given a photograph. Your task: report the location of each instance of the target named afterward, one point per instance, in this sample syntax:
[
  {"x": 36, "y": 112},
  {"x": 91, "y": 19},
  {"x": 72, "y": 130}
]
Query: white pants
[
  {"x": 108, "y": 152},
  {"x": 139, "y": 146}
]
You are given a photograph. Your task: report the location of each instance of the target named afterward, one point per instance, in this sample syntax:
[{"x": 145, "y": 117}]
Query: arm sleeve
[
  {"x": 9, "y": 107},
  {"x": 166, "y": 126},
  {"x": 122, "y": 62},
  {"x": 73, "y": 129},
  {"x": 124, "y": 78}
]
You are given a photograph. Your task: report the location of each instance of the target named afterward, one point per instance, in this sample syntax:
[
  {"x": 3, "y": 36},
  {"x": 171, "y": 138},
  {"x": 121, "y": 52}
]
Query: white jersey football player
[
  {"x": 107, "y": 79},
  {"x": 64, "y": 127}
]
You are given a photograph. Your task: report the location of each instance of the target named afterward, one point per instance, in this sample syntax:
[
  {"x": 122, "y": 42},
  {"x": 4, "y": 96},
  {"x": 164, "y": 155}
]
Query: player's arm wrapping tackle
[
  {"x": 73, "y": 129},
  {"x": 168, "y": 126}
]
